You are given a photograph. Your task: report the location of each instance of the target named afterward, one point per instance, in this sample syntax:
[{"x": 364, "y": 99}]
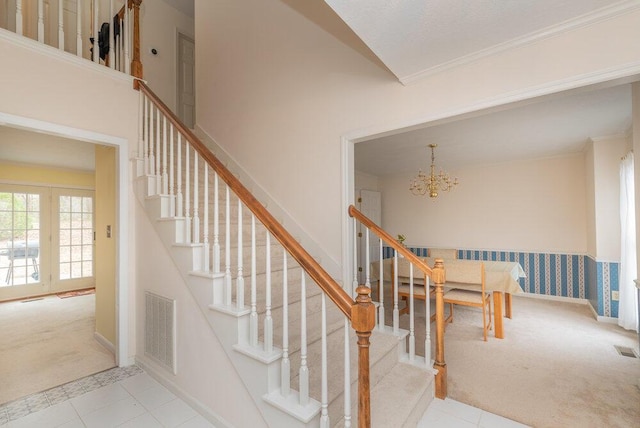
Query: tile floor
[
  {"x": 129, "y": 398},
  {"x": 119, "y": 397}
]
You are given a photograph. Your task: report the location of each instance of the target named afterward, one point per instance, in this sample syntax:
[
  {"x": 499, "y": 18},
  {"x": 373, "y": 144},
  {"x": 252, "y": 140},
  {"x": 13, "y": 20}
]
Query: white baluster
[
  {"x": 412, "y": 335},
  {"x": 205, "y": 221},
  {"x": 165, "y": 176},
  {"x": 179, "y": 201},
  {"x": 427, "y": 311},
  {"x": 347, "y": 375},
  {"x": 396, "y": 312},
  {"x": 227, "y": 248},
  {"x": 147, "y": 140},
  {"x": 268, "y": 320},
  {"x": 112, "y": 44},
  {"x": 152, "y": 141},
  {"x": 79, "y": 28},
  {"x": 187, "y": 196},
  {"x": 196, "y": 200},
  {"x": 285, "y": 364},
  {"x": 121, "y": 45},
  {"x": 140, "y": 152},
  {"x": 324, "y": 414},
  {"x": 216, "y": 225},
  {"x": 172, "y": 198},
  {"x": 381, "y": 321},
  {"x": 240, "y": 278},
  {"x": 354, "y": 282},
  {"x": 253, "y": 318},
  {"x": 60, "y": 25},
  {"x": 41, "y": 21},
  {"x": 96, "y": 30},
  {"x": 125, "y": 37},
  {"x": 303, "y": 374},
  {"x": 158, "y": 158},
  {"x": 367, "y": 280},
  {"x": 19, "y": 17}
]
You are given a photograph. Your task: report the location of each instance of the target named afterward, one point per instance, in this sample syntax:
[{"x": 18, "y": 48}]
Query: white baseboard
[
  {"x": 104, "y": 342},
  {"x": 600, "y": 318},
  {"x": 160, "y": 375}
]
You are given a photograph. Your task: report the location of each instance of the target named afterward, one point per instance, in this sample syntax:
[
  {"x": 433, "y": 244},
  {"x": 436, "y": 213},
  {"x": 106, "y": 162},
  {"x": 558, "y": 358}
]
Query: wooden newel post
[
  {"x": 136, "y": 64},
  {"x": 438, "y": 277},
  {"x": 363, "y": 320}
]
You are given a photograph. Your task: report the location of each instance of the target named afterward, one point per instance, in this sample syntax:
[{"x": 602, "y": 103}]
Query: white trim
[
  {"x": 104, "y": 342},
  {"x": 56, "y": 53},
  {"x": 591, "y": 18},
  {"x": 153, "y": 370},
  {"x": 122, "y": 256},
  {"x": 554, "y": 298}
]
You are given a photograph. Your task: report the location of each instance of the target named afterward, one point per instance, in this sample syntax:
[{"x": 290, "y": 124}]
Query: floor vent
[
  {"x": 625, "y": 351},
  {"x": 160, "y": 330}
]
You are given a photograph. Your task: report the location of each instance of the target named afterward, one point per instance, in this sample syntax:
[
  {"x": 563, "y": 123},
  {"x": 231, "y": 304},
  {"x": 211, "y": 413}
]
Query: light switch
[{"x": 108, "y": 231}]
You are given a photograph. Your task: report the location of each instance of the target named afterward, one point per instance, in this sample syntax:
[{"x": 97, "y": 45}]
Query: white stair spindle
[
  {"x": 396, "y": 312},
  {"x": 158, "y": 157},
  {"x": 125, "y": 38},
  {"x": 324, "y": 414},
  {"x": 412, "y": 330},
  {"x": 196, "y": 200},
  {"x": 60, "y": 25},
  {"x": 268, "y": 320},
  {"x": 240, "y": 277},
  {"x": 179, "y": 201},
  {"x": 112, "y": 44},
  {"x": 427, "y": 311},
  {"x": 19, "y": 17},
  {"x": 347, "y": 375},
  {"x": 78, "y": 28},
  {"x": 172, "y": 172},
  {"x": 285, "y": 364},
  {"x": 227, "y": 248},
  {"x": 165, "y": 176},
  {"x": 96, "y": 30},
  {"x": 152, "y": 141},
  {"x": 121, "y": 46},
  {"x": 380, "y": 291},
  {"x": 354, "y": 282},
  {"x": 147, "y": 141},
  {"x": 205, "y": 221},
  {"x": 253, "y": 318},
  {"x": 187, "y": 196},
  {"x": 140, "y": 154},
  {"x": 367, "y": 280},
  {"x": 216, "y": 225},
  {"x": 303, "y": 374},
  {"x": 41, "y": 21}
]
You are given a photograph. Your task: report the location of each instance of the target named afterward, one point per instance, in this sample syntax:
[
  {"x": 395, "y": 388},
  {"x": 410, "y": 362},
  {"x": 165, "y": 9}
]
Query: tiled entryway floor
[
  {"x": 449, "y": 413},
  {"x": 118, "y": 397}
]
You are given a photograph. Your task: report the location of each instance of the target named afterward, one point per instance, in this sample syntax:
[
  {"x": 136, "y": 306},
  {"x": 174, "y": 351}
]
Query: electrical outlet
[{"x": 615, "y": 296}]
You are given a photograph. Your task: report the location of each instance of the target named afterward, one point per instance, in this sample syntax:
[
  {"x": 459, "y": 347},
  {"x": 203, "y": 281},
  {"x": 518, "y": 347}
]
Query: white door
[
  {"x": 371, "y": 206},
  {"x": 186, "y": 80}
]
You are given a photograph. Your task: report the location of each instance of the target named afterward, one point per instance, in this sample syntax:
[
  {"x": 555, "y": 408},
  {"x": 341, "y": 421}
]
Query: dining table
[{"x": 501, "y": 279}]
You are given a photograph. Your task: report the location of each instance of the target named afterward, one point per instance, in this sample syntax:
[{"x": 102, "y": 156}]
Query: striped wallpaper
[{"x": 566, "y": 275}]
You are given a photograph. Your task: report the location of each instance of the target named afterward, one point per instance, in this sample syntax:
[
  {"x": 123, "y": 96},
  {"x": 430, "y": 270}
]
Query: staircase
[{"x": 285, "y": 338}]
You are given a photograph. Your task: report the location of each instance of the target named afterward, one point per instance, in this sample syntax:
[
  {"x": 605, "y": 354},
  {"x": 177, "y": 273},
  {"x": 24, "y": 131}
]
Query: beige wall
[
  {"x": 281, "y": 104},
  {"x": 160, "y": 24},
  {"x": 535, "y": 205},
  {"x": 36, "y": 174},
  {"x": 105, "y": 255}
]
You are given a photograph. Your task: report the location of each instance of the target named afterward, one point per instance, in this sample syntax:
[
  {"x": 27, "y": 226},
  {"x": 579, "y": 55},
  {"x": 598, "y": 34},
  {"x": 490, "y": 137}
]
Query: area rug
[{"x": 76, "y": 293}]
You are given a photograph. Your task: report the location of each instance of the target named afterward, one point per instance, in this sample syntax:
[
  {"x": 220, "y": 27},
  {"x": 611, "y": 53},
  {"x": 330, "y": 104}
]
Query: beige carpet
[
  {"x": 48, "y": 342},
  {"x": 556, "y": 367}
]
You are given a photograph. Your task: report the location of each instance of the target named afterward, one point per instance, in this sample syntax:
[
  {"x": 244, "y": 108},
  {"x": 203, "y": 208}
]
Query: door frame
[{"x": 122, "y": 200}]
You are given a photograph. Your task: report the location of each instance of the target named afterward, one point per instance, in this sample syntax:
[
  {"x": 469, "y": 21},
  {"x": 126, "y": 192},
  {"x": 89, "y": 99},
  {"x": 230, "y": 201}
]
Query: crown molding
[{"x": 585, "y": 20}]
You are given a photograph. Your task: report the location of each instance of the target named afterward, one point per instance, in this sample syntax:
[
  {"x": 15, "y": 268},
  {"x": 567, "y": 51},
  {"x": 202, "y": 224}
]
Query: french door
[{"x": 46, "y": 240}]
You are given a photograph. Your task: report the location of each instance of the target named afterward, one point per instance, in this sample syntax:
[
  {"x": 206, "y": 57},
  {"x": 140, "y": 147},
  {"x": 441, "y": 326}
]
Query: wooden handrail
[
  {"x": 331, "y": 288},
  {"x": 390, "y": 241}
]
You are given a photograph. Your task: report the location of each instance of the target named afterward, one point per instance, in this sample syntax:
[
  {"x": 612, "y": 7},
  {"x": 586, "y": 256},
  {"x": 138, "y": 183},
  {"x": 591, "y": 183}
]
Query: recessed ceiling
[
  {"x": 551, "y": 127},
  {"x": 28, "y": 147}
]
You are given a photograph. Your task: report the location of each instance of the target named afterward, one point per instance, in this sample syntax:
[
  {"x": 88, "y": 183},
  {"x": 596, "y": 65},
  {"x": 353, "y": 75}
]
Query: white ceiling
[{"x": 415, "y": 38}]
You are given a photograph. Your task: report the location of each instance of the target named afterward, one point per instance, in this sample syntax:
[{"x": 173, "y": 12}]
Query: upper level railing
[{"x": 106, "y": 32}]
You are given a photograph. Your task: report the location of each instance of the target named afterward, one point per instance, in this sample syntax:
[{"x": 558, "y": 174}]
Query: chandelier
[{"x": 432, "y": 183}]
